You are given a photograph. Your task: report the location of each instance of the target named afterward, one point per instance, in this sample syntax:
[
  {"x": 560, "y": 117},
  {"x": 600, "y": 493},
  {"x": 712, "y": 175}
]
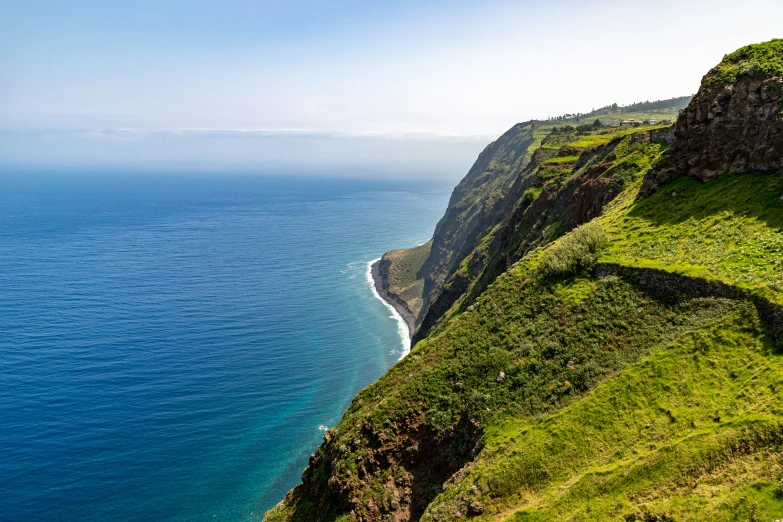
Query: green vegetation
[
  {"x": 551, "y": 391},
  {"x": 617, "y": 157},
  {"x": 665, "y": 447},
  {"x": 665, "y": 111},
  {"x": 561, "y": 159},
  {"x": 648, "y": 441},
  {"x": 633, "y": 110},
  {"x": 727, "y": 230},
  {"x": 574, "y": 252},
  {"x": 763, "y": 59},
  {"x": 476, "y": 205}
]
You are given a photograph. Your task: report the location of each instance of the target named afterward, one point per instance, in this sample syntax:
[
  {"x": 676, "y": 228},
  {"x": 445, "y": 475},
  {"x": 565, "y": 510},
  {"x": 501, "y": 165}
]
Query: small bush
[
  {"x": 574, "y": 252},
  {"x": 438, "y": 420},
  {"x": 765, "y": 59}
]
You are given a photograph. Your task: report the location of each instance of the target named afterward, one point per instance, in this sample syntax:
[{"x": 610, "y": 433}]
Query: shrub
[
  {"x": 764, "y": 59},
  {"x": 585, "y": 375},
  {"x": 574, "y": 252},
  {"x": 438, "y": 420}
]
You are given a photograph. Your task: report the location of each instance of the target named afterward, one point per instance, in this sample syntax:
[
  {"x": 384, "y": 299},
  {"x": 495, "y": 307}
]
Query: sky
[{"x": 345, "y": 84}]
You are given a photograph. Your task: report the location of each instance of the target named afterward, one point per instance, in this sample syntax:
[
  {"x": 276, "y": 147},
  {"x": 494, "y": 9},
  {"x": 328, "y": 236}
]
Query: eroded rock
[{"x": 728, "y": 128}]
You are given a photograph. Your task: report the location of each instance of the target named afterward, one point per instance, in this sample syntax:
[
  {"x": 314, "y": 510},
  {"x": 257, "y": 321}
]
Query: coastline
[{"x": 405, "y": 320}]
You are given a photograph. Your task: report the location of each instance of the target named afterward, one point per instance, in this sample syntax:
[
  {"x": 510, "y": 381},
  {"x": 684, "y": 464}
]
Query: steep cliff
[
  {"x": 476, "y": 205},
  {"x": 734, "y": 123},
  {"x": 571, "y": 177},
  {"x": 395, "y": 279},
  {"x": 489, "y": 193},
  {"x": 608, "y": 357}
]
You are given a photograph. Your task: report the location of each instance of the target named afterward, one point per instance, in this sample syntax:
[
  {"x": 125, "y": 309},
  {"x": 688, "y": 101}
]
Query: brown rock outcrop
[{"x": 729, "y": 127}]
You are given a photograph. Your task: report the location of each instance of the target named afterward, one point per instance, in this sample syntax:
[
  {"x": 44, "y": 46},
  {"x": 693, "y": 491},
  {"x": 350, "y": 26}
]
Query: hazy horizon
[{"x": 416, "y": 87}]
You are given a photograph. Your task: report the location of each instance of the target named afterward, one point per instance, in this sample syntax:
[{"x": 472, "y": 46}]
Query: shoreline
[{"x": 405, "y": 320}]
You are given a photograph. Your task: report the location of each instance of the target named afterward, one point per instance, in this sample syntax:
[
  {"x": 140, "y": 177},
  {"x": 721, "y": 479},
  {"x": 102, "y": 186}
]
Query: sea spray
[{"x": 402, "y": 326}]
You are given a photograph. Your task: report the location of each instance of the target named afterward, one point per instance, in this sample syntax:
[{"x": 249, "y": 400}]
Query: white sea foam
[
  {"x": 402, "y": 326},
  {"x": 323, "y": 428}
]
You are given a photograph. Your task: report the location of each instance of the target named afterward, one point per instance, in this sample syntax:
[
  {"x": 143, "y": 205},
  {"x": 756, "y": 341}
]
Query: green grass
[
  {"x": 603, "y": 137},
  {"x": 613, "y": 120},
  {"x": 624, "y": 162},
  {"x": 763, "y": 59},
  {"x": 627, "y": 161},
  {"x": 560, "y": 160},
  {"x": 600, "y": 465},
  {"x": 590, "y": 399},
  {"x": 593, "y": 140},
  {"x": 703, "y": 448},
  {"x": 728, "y": 230}
]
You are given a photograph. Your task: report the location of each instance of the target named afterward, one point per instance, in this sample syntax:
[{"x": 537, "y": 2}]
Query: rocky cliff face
[
  {"x": 475, "y": 207},
  {"x": 586, "y": 186},
  {"x": 734, "y": 124}
]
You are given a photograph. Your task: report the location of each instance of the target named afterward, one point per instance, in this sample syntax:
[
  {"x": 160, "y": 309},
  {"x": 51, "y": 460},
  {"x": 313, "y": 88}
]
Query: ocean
[{"x": 173, "y": 346}]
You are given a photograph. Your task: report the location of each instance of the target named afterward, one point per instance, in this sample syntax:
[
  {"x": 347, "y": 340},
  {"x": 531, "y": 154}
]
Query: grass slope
[
  {"x": 727, "y": 230},
  {"x": 649, "y": 442},
  {"x": 612, "y": 158},
  {"x": 692, "y": 431},
  {"x": 557, "y": 395}
]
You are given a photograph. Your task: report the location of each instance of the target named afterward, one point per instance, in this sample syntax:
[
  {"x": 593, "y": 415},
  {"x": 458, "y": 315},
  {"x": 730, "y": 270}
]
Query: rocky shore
[{"x": 380, "y": 280}]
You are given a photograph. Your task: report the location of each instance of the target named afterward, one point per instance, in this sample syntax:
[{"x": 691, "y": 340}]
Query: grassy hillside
[
  {"x": 644, "y": 442},
  {"x": 648, "y": 443},
  {"x": 596, "y": 354},
  {"x": 576, "y": 386},
  {"x": 571, "y": 177},
  {"x": 728, "y": 230},
  {"x": 495, "y": 183}
]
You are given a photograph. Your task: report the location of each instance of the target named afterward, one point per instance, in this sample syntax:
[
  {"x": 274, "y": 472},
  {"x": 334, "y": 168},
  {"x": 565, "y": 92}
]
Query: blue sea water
[{"x": 170, "y": 345}]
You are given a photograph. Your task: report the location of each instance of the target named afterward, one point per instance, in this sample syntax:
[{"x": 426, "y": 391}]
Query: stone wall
[{"x": 669, "y": 284}]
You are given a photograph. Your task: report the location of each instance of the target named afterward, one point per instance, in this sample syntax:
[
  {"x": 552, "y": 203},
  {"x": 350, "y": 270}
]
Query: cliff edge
[
  {"x": 734, "y": 124},
  {"x": 607, "y": 357}
]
